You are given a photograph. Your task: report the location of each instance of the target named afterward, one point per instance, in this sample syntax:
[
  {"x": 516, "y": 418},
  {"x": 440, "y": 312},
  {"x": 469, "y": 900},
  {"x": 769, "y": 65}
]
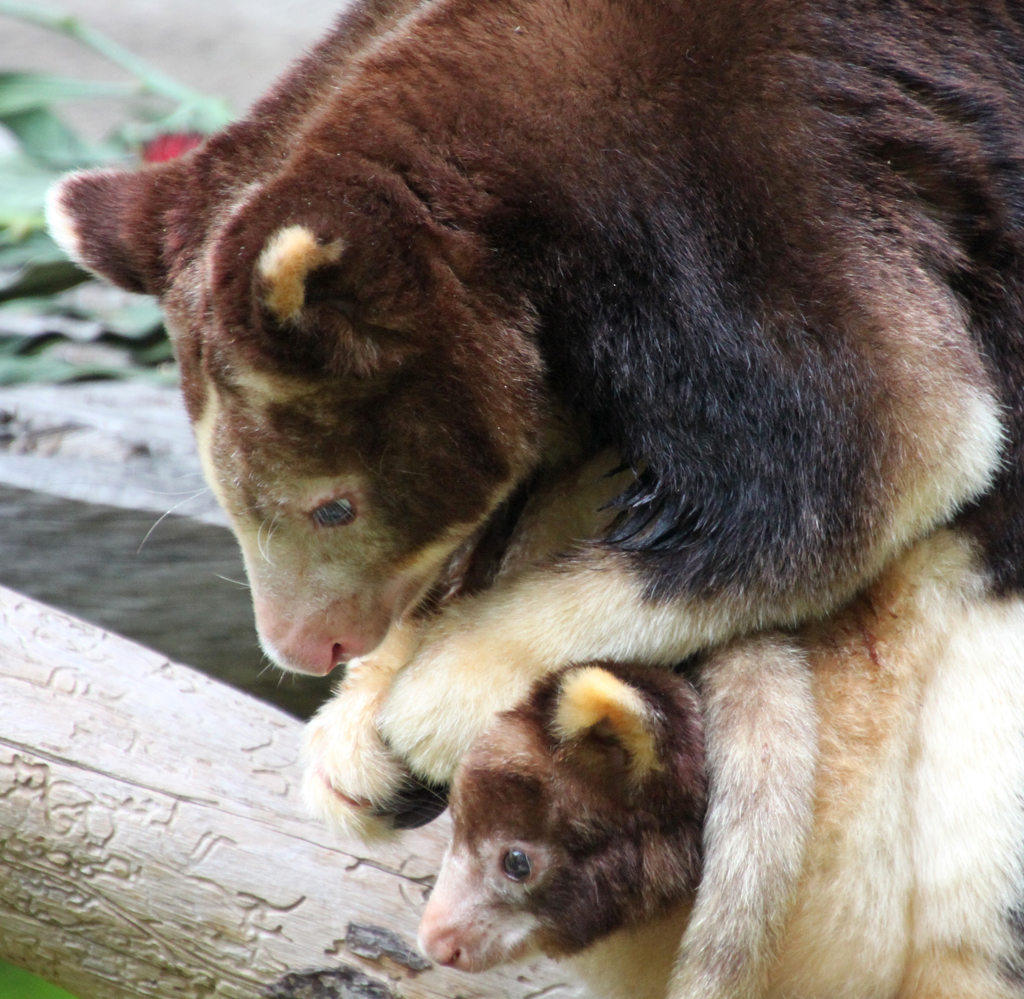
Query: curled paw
[
  {"x": 352, "y": 781},
  {"x": 350, "y": 776}
]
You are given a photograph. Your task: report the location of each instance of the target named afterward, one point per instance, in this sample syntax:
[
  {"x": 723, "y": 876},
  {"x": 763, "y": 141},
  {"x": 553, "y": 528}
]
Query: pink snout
[
  {"x": 444, "y": 942},
  {"x": 316, "y": 645}
]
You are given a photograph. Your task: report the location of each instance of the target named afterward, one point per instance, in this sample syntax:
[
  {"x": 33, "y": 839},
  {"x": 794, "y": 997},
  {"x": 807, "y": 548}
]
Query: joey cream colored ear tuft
[
  {"x": 290, "y": 254},
  {"x": 592, "y": 699}
]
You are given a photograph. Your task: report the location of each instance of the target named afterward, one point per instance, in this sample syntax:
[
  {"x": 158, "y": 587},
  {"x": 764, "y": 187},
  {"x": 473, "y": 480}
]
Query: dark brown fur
[{"x": 701, "y": 218}]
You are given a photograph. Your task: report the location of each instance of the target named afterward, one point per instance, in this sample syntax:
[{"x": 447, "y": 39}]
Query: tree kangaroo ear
[
  {"x": 596, "y": 707},
  {"x": 308, "y": 307},
  {"x": 112, "y": 223}
]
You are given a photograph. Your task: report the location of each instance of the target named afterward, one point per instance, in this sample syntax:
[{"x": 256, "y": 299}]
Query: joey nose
[{"x": 441, "y": 944}]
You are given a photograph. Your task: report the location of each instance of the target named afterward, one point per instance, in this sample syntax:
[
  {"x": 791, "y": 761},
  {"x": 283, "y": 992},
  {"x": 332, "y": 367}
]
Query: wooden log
[{"x": 152, "y": 842}]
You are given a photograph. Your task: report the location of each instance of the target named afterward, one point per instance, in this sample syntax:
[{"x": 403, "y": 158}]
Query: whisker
[
  {"x": 259, "y": 543},
  {"x": 161, "y": 519},
  {"x": 237, "y": 582},
  {"x": 273, "y": 527},
  {"x": 179, "y": 492}
]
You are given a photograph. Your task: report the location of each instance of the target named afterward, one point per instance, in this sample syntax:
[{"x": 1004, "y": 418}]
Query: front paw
[
  {"x": 351, "y": 779},
  {"x": 441, "y": 702}
]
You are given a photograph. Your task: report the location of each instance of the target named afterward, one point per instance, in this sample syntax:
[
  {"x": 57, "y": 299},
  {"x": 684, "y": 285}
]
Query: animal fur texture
[
  {"x": 766, "y": 256},
  {"x": 908, "y": 884}
]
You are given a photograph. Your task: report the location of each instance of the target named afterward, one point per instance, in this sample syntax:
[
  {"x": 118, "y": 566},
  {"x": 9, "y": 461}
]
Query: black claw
[{"x": 415, "y": 805}]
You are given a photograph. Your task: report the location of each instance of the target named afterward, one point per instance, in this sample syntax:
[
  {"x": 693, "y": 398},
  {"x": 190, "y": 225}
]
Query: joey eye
[
  {"x": 336, "y": 513},
  {"x": 517, "y": 865}
]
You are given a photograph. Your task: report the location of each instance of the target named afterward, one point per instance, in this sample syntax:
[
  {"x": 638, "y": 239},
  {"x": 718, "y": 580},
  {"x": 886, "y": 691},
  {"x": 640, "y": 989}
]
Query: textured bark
[{"x": 152, "y": 842}]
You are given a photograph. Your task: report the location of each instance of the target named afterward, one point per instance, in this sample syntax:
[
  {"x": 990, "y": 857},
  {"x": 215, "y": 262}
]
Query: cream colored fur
[
  {"x": 916, "y": 857},
  {"x": 633, "y": 963},
  {"x": 285, "y": 263},
  {"x": 524, "y": 627},
  {"x": 592, "y": 696},
  {"x": 761, "y": 734},
  {"x": 938, "y": 409}
]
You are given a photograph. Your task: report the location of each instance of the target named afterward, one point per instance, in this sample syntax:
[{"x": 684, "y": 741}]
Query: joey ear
[
  {"x": 594, "y": 703},
  {"x": 111, "y": 222},
  {"x": 289, "y": 257}
]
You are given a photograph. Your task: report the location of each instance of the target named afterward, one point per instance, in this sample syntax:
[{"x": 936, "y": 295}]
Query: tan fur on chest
[{"x": 913, "y": 858}]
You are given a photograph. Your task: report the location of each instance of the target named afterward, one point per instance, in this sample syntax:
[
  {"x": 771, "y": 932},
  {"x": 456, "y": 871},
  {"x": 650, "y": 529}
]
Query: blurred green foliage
[
  {"x": 49, "y": 331},
  {"x": 18, "y": 984}
]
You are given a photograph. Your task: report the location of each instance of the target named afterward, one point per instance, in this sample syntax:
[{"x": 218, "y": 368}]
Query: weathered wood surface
[
  {"x": 125, "y": 444},
  {"x": 152, "y": 842},
  {"x": 177, "y": 592}
]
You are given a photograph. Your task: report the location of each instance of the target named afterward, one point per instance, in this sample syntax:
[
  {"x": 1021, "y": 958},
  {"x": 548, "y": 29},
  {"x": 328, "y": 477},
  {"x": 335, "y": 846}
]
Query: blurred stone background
[{"x": 87, "y": 469}]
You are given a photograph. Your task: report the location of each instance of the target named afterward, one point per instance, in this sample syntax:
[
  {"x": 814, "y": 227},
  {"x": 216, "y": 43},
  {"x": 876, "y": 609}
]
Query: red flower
[{"x": 169, "y": 147}]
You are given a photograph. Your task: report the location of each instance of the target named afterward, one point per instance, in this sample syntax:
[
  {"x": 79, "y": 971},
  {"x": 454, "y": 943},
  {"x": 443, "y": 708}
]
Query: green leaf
[
  {"x": 15, "y": 982},
  {"x": 42, "y": 279},
  {"x": 159, "y": 353},
  {"x": 12, "y": 345},
  {"x": 134, "y": 321},
  {"x": 34, "y": 317},
  {"x": 23, "y": 186},
  {"x": 203, "y": 116},
  {"x": 42, "y": 368},
  {"x": 36, "y": 248},
  {"x": 43, "y": 137},
  {"x": 29, "y": 91},
  {"x": 131, "y": 318}
]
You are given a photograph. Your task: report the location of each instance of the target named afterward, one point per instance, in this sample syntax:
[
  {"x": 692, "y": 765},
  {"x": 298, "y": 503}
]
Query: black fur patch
[{"x": 710, "y": 329}]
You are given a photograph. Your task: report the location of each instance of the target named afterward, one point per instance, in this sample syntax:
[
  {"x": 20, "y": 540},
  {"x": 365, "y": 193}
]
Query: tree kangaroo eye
[
  {"x": 336, "y": 513},
  {"x": 517, "y": 865}
]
